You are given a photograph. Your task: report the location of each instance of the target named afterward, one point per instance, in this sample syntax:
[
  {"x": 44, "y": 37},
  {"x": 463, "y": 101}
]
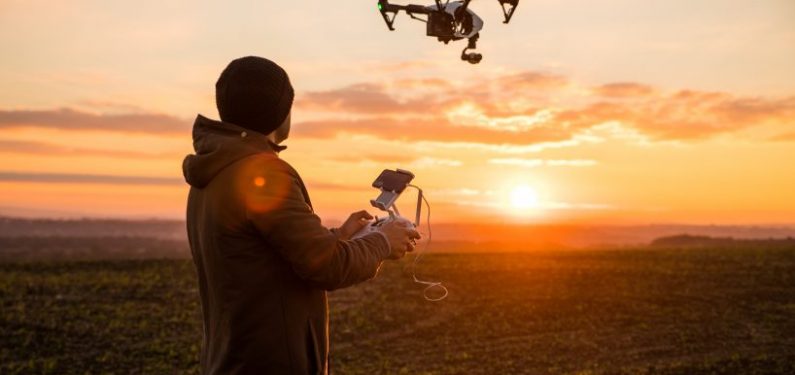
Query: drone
[{"x": 447, "y": 21}]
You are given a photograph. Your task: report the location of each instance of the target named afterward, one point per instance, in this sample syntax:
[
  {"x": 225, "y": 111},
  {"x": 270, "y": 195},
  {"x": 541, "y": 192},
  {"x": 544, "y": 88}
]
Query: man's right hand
[{"x": 401, "y": 237}]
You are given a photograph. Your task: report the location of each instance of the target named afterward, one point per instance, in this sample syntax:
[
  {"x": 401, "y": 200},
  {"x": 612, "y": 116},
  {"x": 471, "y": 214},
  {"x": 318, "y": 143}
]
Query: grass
[{"x": 662, "y": 311}]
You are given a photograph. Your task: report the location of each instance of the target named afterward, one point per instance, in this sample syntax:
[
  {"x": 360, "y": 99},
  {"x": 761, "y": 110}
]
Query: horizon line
[{"x": 66, "y": 218}]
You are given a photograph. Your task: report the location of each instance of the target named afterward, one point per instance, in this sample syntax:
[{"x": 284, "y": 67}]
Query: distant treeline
[
  {"x": 90, "y": 239},
  {"x": 513, "y": 236},
  {"x": 686, "y": 240},
  {"x": 157, "y": 228},
  {"x": 35, "y": 248},
  {"x": 90, "y": 248}
]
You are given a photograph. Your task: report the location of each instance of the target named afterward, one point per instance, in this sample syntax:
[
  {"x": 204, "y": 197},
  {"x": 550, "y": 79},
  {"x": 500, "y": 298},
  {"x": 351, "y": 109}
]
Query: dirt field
[{"x": 707, "y": 311}]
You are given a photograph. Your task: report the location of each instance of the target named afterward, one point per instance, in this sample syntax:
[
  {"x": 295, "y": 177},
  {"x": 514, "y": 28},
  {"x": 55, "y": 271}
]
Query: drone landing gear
[
  {"x": 508, "y": 11},
  {"x": 472, "y": 58}
]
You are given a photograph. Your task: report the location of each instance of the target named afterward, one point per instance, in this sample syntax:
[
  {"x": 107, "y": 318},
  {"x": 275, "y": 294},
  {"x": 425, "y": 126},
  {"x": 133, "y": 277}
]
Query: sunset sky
[{"x": 597, "y": 112}]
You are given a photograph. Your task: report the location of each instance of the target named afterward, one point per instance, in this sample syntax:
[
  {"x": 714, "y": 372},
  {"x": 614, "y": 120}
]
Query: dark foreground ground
[{"x": 706, "y": 311}]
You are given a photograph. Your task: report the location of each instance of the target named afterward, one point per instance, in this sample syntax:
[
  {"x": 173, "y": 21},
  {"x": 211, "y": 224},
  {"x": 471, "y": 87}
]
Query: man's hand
[
  {"x": 355, "y": 222},
  {"x": 401, "y": 238}
]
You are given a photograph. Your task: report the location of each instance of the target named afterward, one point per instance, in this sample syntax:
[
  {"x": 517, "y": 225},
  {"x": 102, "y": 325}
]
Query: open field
[{"x": 661, "y": 311}]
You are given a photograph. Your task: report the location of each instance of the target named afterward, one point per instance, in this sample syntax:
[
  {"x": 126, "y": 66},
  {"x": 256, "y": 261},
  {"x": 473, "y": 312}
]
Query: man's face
[{"x": 283, "y": 131}]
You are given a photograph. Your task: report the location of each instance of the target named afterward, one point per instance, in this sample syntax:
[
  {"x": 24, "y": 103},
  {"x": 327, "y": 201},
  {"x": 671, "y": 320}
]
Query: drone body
[{"x": 447, "y": 21}]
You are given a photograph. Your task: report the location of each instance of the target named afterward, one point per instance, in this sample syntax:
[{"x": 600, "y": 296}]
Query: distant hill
[
  {"x": 565, "y": 234},
  {"x": 691, "y": 241},
  {"x": 155, "y": 228},
  {"x": 90, "y": 248},
  {"x": 26, "y": 238},
  {"x": 578, "y": 236}
]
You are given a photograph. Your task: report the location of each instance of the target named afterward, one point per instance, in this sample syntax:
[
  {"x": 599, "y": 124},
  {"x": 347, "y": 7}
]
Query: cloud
[
  {"x": 624, "y": 90},
  {"x": 518, "y": 109},
  {"x": 362, "y": 98},
  {"x": 87, "y": 179},
  {"x": 508, "y": 149},
  {"x": 530, "y": 80},
  {"x": 440, "y": 130},
  {"x": 784, "y": 137},
  {"x": 436, "y": 162},
  {"x": 312, "y": 185},
  {"x": 43, "y": 148},
  {"x": 422, "y": 83},
  {"x": 533, "y": 107},
  {"x": 406, "y": 160},
  {"x": 371, "y": 158},
  {"x": 110, "y": 106},
  {"x": 398, "y": 66},
  {"x": 70, "y": 119},
  {"x": 543, "y": 205},
  {"x": 472, "y": 115},
  {"x": 532, "y": 163},
  {"x": 459, "y": 192},
  {"x": 76, "y": 178},
  {"x": 684, "y": 115},
  {"x": 575, "y": 206}
]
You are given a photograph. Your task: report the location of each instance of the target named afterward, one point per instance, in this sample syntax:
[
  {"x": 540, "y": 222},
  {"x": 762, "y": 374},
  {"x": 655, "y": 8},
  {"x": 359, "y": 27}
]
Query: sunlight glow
[{"x": 524, "y": 197}]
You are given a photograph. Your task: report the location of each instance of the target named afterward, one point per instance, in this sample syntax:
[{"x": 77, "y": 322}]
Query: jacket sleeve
[{"x": 277, "y": 209}]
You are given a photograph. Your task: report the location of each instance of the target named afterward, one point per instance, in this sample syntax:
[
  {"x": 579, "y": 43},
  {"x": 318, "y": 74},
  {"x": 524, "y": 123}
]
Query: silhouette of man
[{"x": 264, "y": 261}]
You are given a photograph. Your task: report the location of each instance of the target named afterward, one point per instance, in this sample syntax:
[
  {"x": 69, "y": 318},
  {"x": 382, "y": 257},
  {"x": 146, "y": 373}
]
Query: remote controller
[{"x": 392, "y": 184}]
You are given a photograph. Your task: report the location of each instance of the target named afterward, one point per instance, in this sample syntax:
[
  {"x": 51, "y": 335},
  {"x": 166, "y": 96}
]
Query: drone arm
[
  {"x": 418, "y": 9},
  {"x": 464, "y": 6},
  {"x": 385, "y": 8},
  {"x": 413, "y": 10},
  {"x": 388, "y": 9}
]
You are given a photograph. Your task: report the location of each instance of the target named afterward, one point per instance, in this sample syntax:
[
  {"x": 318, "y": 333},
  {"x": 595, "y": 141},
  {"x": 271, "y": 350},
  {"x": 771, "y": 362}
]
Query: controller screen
[{"x": 392, "y": 181}]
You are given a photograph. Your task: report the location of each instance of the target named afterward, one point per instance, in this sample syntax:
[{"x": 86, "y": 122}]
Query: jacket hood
[{"x": 217, "y": 145}]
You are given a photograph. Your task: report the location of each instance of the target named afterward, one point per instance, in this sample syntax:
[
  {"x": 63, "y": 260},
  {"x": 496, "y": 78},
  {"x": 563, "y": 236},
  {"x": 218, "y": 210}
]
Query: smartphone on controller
[{"x": 391, "y": 183}]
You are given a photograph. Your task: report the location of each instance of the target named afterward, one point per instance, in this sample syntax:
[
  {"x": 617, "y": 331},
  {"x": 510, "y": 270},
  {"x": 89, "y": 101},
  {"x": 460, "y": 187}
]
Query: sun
[{"x": 524, "y": 197}]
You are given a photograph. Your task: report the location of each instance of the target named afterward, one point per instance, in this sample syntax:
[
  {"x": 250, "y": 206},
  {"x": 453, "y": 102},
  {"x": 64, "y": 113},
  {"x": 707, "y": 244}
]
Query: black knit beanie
[{"x": 255, "y": 93}]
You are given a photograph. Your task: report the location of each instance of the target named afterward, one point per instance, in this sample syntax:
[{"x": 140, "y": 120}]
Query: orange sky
[{"x": 601, "y": 114}]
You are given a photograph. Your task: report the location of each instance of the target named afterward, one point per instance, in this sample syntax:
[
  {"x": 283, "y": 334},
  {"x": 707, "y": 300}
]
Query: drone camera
[{"x": 472, "y": 58}]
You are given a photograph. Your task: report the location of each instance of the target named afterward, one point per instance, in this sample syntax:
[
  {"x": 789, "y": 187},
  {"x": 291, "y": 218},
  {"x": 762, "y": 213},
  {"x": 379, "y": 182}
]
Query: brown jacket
[{"x": 263, "y": 259}]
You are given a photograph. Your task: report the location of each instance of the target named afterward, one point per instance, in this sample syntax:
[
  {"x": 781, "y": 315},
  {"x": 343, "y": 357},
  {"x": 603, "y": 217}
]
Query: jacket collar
[
  {"x": 218, "y": 144},
  {"x": 277, "y": 148}
]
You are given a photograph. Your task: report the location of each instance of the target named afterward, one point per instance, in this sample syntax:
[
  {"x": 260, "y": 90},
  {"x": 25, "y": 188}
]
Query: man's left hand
[{"x": 355, "y": 222}]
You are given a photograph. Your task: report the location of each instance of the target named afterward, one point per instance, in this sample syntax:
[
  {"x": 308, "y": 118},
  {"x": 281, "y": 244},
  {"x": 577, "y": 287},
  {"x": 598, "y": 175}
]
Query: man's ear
[{"x": 283, "y": 131}]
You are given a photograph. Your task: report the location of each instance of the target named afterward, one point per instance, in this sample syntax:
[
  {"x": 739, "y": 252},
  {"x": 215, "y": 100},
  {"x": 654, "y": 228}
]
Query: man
[{"x": 263, "y": 259}]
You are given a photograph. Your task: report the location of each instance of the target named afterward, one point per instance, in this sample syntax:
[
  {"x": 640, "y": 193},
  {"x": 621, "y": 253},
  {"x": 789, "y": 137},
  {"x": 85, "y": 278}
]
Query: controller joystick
[{"x": 378, "y": 223}]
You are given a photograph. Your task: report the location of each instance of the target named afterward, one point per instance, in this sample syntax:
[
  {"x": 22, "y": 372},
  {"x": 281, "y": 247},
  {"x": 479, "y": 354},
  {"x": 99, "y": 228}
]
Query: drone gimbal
[{"x": 447, "y": 21}]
